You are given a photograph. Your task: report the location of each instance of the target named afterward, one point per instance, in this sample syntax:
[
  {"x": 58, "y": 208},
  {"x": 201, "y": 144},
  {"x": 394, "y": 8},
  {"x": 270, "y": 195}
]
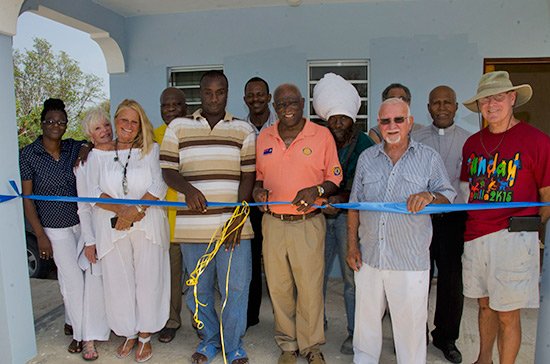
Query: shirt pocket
[
  {"x": 372, "y": 187},
  {"x": 411, "y": 184}
]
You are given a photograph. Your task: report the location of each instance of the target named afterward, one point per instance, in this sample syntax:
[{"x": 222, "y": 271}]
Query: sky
[{"x": 77, "y": 44}]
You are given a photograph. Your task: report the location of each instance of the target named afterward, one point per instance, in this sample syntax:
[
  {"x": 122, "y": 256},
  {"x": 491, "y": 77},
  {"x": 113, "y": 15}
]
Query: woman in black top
[{"x": 47, "y": 169}]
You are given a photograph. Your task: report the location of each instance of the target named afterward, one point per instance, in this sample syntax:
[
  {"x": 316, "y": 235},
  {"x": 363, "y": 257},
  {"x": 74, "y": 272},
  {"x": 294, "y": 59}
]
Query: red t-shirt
[{"x": 507, "y": 167}]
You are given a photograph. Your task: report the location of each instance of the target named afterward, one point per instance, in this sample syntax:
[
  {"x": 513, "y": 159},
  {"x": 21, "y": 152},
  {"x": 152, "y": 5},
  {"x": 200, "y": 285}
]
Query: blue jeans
[
  {"x": 336, "y": 243},
  {"x": 234, "y": 314}
]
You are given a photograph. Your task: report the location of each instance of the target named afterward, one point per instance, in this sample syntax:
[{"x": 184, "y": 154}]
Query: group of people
[{"x": 121, "y": 266}]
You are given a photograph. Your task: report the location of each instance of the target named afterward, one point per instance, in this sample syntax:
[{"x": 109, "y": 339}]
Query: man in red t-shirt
[{"x": 508, "y": 161}]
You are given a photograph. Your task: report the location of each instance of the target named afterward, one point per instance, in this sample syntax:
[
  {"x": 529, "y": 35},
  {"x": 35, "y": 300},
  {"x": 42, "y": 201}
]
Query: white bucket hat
[{"x": 497, "y": 82}]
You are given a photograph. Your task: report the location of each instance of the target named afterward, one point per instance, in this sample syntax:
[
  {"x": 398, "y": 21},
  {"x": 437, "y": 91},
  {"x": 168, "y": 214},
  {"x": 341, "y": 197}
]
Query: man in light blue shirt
[{"x": 394, "y": 247}]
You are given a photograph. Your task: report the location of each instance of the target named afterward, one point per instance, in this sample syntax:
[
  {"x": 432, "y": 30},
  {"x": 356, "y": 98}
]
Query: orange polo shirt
[{"x": 310, "y": 160}]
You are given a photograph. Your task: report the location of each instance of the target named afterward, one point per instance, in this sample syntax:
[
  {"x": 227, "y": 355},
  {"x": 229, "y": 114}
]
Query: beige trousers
[{"x": 294, "y": 259}]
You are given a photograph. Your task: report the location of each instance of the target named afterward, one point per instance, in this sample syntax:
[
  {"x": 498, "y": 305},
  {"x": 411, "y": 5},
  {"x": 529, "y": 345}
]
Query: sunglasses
[
  {"x": 397, "y": 120},
  {"x": 53, "y": 122}
]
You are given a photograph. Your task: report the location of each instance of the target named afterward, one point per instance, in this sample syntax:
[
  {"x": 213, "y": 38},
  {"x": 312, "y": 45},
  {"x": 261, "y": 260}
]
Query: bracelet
[
  {"x": 320, "y": 190},
  {"x": 434, "y": 197},
  {"x": 140, "y": 209}
]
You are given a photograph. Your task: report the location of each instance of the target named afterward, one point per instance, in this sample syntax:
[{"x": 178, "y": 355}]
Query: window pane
[{"x": 348, "y": 72}]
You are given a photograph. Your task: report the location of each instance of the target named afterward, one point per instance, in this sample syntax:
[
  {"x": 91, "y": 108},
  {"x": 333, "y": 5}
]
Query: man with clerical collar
[{"x": 447, "y": 245}]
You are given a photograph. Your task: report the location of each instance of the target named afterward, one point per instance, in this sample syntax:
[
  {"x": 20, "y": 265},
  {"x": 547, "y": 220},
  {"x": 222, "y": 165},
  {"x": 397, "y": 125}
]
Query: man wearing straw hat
[{"x": 508, "y": 161}]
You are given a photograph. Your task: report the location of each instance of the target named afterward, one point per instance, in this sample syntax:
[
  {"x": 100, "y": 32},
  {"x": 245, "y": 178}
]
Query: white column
[{"x": 17, "y": 337}]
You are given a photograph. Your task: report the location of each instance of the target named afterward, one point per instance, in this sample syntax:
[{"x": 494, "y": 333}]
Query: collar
[
  {"x": 439, "y": 131},
  {"x": 197, "y": 116},
  {"x": 413, "y": 145},
  {"x": 39, "y": 146},
  {"x": 308, "y": 129}
]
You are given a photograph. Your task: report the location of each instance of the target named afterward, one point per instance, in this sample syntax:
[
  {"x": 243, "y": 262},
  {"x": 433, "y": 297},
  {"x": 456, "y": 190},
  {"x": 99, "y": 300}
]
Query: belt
[{"x": 285, "y": 217}]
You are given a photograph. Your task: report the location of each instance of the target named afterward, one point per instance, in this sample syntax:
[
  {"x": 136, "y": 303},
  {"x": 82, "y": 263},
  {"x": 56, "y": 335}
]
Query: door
[{"x": 535, "y": 72}]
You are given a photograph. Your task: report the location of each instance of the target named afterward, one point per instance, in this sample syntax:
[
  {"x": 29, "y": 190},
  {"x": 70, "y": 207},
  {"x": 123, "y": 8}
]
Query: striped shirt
[
  {"x": 391, "y": 241},
  {"x": 211, "y": 160}
]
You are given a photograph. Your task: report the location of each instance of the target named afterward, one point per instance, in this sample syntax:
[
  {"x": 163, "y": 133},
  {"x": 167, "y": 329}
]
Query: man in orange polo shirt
[{"x": 296, "y": 160}]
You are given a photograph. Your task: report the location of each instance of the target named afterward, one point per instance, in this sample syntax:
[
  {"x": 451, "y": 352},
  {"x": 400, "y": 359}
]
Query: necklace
[
  {"x": 490, "y": 154},
  {"x": 124, "y": 166}
]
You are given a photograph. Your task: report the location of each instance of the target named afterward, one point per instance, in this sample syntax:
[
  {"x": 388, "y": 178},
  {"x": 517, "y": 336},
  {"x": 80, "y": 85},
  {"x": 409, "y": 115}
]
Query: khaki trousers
[
  {"x": 176, "y": 286},
  {"x": 294, "y": 256}
]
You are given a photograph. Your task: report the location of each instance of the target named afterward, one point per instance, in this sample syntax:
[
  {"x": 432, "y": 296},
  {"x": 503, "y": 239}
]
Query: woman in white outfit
[
  {"x": 97, "y": 126},
  {"x": 131, "y": 240}
]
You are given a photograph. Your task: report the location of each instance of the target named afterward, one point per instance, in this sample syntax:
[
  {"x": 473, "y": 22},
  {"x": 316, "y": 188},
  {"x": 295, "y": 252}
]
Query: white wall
[{"x": 419, "y": 43}]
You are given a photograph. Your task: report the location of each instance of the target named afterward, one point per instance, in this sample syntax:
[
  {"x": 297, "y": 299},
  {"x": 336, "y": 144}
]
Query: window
[
  {"x": 356, "y": 72},
  {"x": 187, "y": 79}
]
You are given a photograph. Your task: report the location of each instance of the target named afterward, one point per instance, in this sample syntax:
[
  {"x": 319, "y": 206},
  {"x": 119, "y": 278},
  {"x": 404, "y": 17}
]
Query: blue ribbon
[{"x": 394, "y": 207}]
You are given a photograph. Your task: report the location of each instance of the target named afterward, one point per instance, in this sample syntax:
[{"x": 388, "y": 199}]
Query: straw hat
[{"x": 496, "y": 82}]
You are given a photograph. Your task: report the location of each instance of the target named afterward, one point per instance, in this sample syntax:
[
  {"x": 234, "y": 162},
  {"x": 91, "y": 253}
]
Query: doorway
[{"x": 535, "y": 72}]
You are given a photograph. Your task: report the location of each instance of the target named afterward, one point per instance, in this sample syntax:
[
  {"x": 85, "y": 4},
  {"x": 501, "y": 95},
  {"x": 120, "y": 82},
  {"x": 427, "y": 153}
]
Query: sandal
[
  {"x": 68, "y": 330},
  {"x": 143, "y": 341},
  {"x": 126, "y": 348},
  {"x": 75, "y": 347},
  {"x": 89, "y": 352}
]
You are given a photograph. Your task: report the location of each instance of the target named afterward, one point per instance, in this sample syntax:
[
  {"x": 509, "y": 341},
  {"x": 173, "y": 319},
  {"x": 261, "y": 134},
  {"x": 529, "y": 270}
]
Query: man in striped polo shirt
[
  {"x": 394, "y": 247},
  {"x": 211, "y": 157}
]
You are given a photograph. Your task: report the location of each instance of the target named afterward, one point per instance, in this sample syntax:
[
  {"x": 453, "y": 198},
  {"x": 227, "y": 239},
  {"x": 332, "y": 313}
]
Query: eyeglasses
[
  {"x": 397, "y": 120},
  {"x": 54, "y": 122},
  {"x": 282, "y": 105},
  {"x": 498, "y": 98}
]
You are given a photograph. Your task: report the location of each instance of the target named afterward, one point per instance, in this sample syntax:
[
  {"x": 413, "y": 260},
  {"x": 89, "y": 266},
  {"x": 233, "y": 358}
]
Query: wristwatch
[
  {"x": 434, "y": 197},
  {"x": 320, "y": 190},
  {"x": 140, "y": 209}
]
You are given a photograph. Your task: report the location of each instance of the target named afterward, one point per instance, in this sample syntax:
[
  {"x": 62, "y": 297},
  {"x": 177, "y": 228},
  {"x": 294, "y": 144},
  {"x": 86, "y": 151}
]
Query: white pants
[
  {"x": 94, "y": 319},
  {"x": 70, "y": 276},
  {"x": 406, "y": 294},
  {"x": 136, "y": 281}
]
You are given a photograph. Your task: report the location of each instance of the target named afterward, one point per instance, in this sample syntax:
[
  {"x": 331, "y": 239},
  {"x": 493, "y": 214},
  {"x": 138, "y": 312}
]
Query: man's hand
[
  {"x": 90, "y": 253},
  {"x": 234, "y": 237},
  {"x": 418, "y": 201},
  {"x": 305, "y": 198},
  {"x": 331, "y": 210},
  {"x": 44, "y": 247},
  {"x": 195, "y": 199},
  {"x": 354, "y": 259},
  {"x": 260, "y": 194}
]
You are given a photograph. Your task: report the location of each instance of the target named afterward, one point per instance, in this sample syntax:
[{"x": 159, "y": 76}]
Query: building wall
[{"x": 418, "y": 43}]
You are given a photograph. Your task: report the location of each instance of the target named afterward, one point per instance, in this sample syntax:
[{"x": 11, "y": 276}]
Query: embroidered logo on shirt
[
  {"x": 337, "y": 171},
  {"x": 307, "y": 151},
  {"x": 268, "y": 151}
]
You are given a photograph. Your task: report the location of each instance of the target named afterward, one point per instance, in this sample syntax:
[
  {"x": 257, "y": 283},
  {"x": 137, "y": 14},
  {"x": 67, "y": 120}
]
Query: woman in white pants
[
  {"x": 97, "y": 126},
  {"x": 132, "y": 240},
  {"x": 47, "y": 169}
]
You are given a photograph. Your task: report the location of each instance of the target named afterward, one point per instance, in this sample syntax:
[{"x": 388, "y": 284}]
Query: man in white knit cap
[{"x": 337, "y": 101}]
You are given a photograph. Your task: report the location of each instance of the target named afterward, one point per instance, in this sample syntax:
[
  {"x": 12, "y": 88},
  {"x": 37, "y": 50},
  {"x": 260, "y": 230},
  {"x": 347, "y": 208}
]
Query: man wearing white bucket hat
[{"x": 508, "y": 161}]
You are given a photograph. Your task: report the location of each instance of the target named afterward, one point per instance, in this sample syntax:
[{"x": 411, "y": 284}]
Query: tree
[{"x": 41, "y": 73}]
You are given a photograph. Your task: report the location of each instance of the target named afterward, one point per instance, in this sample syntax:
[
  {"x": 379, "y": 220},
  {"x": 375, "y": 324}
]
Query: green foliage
[{"x": 41, "y": 73}]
